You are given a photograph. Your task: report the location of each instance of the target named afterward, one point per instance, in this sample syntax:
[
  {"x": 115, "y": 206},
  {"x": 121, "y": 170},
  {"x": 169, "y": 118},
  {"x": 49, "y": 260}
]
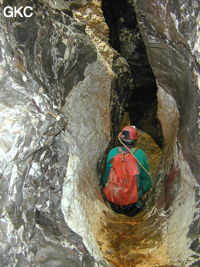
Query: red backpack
[{"x": 121, "y": 187}]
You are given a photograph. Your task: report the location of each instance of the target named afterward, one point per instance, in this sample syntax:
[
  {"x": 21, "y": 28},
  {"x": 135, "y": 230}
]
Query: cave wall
[
  {"x": 125, "y": 37},
  {"x": 94, "y": 108},
  {"x": 36, "y": 75},
  {"x": 57, "y": 100},
  {"x": 63, "y": 89},
  {"x": 171, "y": 36}
]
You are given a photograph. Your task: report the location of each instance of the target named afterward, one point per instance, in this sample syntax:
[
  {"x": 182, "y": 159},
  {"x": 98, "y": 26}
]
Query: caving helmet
[{"x": 128, "y": 134}]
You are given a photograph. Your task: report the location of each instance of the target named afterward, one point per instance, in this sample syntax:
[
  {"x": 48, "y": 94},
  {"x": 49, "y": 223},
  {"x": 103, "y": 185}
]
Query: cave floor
[{"x": 132, "y": 241}]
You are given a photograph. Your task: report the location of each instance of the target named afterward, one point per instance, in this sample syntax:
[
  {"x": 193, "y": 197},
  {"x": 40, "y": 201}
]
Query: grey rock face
[
  {"x": 59, "y": 102},
  {"x": 125, "y": 37},
  {"x": 170, "y": 32},
  {"x": 55, "y": 93},
  {"x": 65, "y": 5},
  {"x": 42, "y": 58}
]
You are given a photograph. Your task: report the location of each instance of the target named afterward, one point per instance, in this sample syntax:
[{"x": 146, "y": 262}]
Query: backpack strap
[
  {"x": 134, "y": 156},
  {"x": 121, "y": 150},
  {"x": 133, "y": 150}
]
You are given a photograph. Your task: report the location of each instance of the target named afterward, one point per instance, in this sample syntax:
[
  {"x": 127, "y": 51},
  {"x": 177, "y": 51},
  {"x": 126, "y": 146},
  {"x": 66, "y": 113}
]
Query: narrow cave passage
[
  {"x": 62, "y": 85},
  {"x": 125, "y": 37},
  {"x": 141, "y": 106},
  {"x": 124, "y": 240}
]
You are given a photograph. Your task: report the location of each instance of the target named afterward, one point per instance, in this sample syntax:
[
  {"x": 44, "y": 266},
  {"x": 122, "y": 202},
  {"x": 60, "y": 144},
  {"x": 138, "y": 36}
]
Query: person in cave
[{"x": 126, "y": 178}]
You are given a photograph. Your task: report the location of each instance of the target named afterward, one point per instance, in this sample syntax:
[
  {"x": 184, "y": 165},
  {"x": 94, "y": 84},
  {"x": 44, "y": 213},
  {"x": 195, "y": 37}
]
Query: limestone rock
[
  {"x": 64, "y": 5},
  {"x": 63, "y": 91},
  {"x": 55, "y": 125},
  {"x": 171, "y": 36},
  {"x": 125, "y": 37}
]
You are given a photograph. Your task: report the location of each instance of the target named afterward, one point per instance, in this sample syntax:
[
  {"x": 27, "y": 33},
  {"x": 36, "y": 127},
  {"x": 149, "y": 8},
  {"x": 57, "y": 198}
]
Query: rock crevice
[{"x": 63, "y": 92}]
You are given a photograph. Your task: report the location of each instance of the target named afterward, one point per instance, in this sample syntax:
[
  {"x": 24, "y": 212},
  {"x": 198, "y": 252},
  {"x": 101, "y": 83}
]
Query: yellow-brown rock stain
[
  {"x": 131, "y": 242},
  {"x": 135, "y": 241}
]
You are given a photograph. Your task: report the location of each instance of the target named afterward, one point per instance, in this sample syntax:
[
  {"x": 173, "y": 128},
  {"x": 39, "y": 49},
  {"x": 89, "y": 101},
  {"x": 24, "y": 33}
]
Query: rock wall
[
  {"x": 91, "y": 125},
  {"x": 171, "y": 36},
  {"x": 56, "y": 104},
  {"x": 125, "y": 37},
  {"x": 63, "y": 91},
  {"x": 34, "y": 61}
]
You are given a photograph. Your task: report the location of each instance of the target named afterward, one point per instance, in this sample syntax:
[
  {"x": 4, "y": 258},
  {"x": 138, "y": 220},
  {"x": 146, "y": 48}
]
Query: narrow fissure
[
  {"x": 125, "y": 37},
  {"x": 123, "y": 240},
  {"x": 58, "y": 126},
  {"x": 141, "y": 107}
]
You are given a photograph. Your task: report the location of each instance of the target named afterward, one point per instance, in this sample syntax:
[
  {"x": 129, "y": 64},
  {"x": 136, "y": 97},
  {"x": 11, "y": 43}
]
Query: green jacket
[{"x": 143, "y": 180}]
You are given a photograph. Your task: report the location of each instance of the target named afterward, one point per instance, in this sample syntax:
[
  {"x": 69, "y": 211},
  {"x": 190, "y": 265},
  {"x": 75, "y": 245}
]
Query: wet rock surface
[
  {"x": 126, "y": 241},
  {"x": 55, "y": 124},
  {"x": 170, "y": 33},
  {"x": 38, "y": 59},
  {"x": 63, "y": 92}
]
